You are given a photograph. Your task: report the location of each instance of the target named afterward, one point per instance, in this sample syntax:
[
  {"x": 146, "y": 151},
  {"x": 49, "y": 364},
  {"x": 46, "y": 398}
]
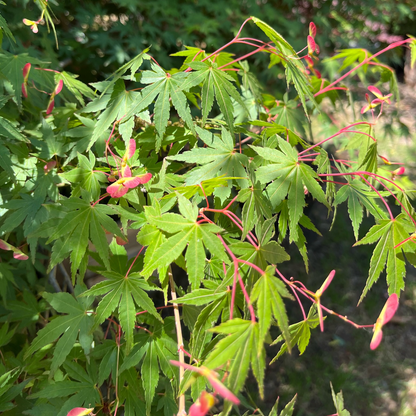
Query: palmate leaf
[
  {"x": 153, "y": 351},
  {"x": 295, "y": 70},
  {"x": 240, "y": 347},
  {"x": 267, "y": 293},
  {"x": 77, "y": 88},
  {"x": 67, "y": 327},
  {"x": 289, "y": 177},
  {"x": 192, "y": 235},
  {"x": 218, "y": 158},
  {"x": 86, "y": 176},
  {"x": 163, "y": 86},
  {"x": 20, "y": 211},
  {"x": 300, "y": 334},
  {"x": 388, "y": 233},
  {"x": 118, "y": 105},
  {"x": 83, "y": 391},
  {"x": 122, "y": 292},
  {"x": 218, "y": 83},
  {"x": 358, "y": 197},
  {"x": 12, "y": 68},
  {"x": 81, "y": 224}
]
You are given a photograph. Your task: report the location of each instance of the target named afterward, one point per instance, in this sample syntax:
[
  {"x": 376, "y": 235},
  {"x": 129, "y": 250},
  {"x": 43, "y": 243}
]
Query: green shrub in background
[
  {"x": 96, "y": 37},
  {"x": 178, "y": 326}
]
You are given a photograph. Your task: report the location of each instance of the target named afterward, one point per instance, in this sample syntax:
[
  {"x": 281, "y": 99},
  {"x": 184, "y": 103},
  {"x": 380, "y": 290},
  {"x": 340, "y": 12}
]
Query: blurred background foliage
[{"x": 97, "y": 36}]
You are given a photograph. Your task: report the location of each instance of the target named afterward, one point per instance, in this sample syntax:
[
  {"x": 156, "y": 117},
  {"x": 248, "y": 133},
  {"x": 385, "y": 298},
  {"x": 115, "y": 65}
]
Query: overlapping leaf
[
  {"x": 218, "y": 158},
  {"x": 388, "y": 233},
  {"x": 289, "y": 176},
  {"x": 77, "y": 323}
]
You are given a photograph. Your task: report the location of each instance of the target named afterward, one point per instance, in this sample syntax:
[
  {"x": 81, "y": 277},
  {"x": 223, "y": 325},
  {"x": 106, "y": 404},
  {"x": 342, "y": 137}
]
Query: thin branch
[{"x": 181, "y": 411}]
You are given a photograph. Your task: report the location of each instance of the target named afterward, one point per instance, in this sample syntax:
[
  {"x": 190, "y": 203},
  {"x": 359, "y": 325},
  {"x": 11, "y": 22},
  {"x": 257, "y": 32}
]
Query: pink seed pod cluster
[{"x": 126, "y": 181}]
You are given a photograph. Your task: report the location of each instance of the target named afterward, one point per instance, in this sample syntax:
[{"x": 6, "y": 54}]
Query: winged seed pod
[
  {"x": 386, "y": 314},
  {"x": 80, "y": 411}
]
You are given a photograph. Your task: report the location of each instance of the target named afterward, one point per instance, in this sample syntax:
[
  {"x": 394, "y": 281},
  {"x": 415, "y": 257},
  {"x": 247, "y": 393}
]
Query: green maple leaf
[
  {"x": 81, "y": 224},
  {"x": 133, "y": 65},
  {"x": 85, "y": 176},
  {"x": 76, "y": 87},
  {"x": 117, "y": 104},
  {"x": 256, "y": 205},
  {"x": 214, "y": 83},
  {"x": 154, "y": 351},
  {"x": 82, "y": 135},
  {"x": 82, "y": 389},
  {"x": 20, "y": 211},
  {"x": 295, "y": 70},
  {"x": 218, "y": 158},
  {"x": 12, "y": 68},
  {"x": 339, "y": 403},
  {"x": 289, "y": 177},
  {"x": 50, "y": 145},
  {"x": 185, "y": 232},
  {"x": 358, "y": 197},
  {"x": 388, "y": 233},
  {"x": 240, "y": 346},
  {"x": 165, "y": 87},
  {"x": 122, "y": 292},
  {"x": 300, "y": 334},
  {"x": 267, "y": 293},
  {"x": 77, "y": 323}
]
